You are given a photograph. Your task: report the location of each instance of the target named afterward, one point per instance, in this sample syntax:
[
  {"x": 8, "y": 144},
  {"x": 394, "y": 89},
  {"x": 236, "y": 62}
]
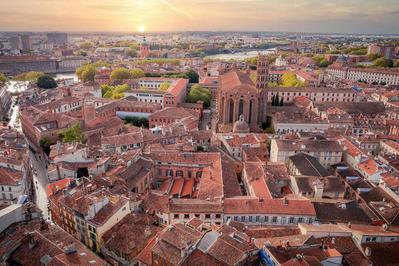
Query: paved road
[
  {"x": 205, "y": 121},
  {"x": 40, "y": 182}
]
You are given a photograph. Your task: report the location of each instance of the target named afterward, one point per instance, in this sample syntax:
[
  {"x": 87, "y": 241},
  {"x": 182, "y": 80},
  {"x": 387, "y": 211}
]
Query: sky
[{"x": 337, "y": 16}]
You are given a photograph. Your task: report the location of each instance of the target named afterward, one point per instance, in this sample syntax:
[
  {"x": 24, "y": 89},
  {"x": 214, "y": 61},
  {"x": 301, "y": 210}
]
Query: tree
[
  {"x": 360, "y": 51},
  {"x": 72, "y": 134},
  {"x": 324, "y": 63},
  {"x": 252, "y": 61},
  {"x": 3, "y": 78},
  {"x": 46, "y": 82},
  {"x": 397, "y": 63},
  {"x": 82, "y": 53},
  {"x": 45, "y": 144},
  {"x": 86, "y": 73},
  {"x": 114, "y": 92},
  {"x": 373, "y": 57},
  {"x": 321, "y": 61},
  {"x": 289, "y": 80},
  {"x": 269, "y": 129},
  {"x": 382, "y": 62},
  {"x": 85, "y": 46},
  {"x": 121, "y": 73},
  {"x": 100, "y": 64},
  {"x": 253, "y": 76},
  {"x": 272, "y": 84},
  {"x": 192, "y": 76},
  {"x": 29, "y": 76},
  {"x": 137, "y": 73},
  {"x": 198, "y": 93},
  {"x": 164, "y": 86},
  {"x": 131, "y": 53},
  {"x": 137, "y": 121}
]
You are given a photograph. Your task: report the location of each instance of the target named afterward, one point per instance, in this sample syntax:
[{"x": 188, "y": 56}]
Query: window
[
  {"x": 242, "y": 218},
  {"x": 250, "y": 219},
  {"x": 291, "y": 220},
  {"x": 266, "y": 219},
  {"x": 217, "y": 216},
  {"x": 274, "y": 219},
  {"x": 9, "y": 188},
  {"x": 300, "y": 220},
  {"x": 367, "y": 239},
  {"x": 257, "y": 218},
  {"x": 197, "y": 215},
  {"x": 186, "y": 216},
  {"x": 374, "y": 239},
  {"x": 207, "y": 216},
  {"x": 176, "y": 216}
]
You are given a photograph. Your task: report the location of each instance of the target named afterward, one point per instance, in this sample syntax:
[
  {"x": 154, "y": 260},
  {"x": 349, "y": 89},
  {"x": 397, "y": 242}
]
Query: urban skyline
[{"x": 369, "y": 17}]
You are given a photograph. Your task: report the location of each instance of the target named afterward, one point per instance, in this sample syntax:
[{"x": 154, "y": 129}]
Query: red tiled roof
[
  {"x": 187, "y": 189},
  {"x": 236, "y": 81},
  {"x": 175, "y": 89},
  {"x": 9, "y": 176},
  {"x": 369, "y": 166},
  {"x": 177, "y": 186},
  {"x": 58, "y": 185},
  {"x": 248, "y": 205}
]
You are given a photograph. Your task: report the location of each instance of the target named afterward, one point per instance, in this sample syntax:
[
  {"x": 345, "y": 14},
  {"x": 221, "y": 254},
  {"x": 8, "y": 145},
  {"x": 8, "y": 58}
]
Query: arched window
[
  {"x": 241, "y": 107},
  {"x": 251, "y": 104},
  {"x": 231, "y": 111}
]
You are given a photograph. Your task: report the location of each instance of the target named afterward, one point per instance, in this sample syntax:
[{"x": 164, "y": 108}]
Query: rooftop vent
[{"x": 70, "y": 250}]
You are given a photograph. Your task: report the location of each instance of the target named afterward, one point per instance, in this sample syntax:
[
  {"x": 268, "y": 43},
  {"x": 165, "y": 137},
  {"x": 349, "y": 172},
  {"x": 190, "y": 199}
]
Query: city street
[{"x": 40, "y": 182}]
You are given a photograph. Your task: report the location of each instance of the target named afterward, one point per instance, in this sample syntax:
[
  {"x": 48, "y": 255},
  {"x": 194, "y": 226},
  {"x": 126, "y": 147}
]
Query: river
[
  {"x": 21, "y": 86},
  {"x": 240, "y": 55},
  {"x": 67, "y": 76},
  {"x": 15, "y": 87}
]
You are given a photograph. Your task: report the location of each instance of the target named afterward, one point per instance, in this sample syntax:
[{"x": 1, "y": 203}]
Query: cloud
[{"x": 177, "y": 10}]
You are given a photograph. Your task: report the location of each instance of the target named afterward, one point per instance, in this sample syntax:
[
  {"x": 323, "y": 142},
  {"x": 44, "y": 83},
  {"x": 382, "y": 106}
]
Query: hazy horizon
[{"x": 300, "y": 16}]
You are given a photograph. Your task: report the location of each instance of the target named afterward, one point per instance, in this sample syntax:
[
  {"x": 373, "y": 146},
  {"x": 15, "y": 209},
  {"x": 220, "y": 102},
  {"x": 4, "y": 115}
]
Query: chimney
[
  {"x": 318, "y": 189},
  {"x": 367, "y": 252},
  {"x": 70, "y": 249},
  {"x": 285, "y": 201},
  {"x": 385, "y": 227}
]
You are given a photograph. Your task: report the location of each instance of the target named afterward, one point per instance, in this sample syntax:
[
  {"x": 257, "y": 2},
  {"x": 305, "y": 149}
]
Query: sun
[{"x": 141, "y": 28}]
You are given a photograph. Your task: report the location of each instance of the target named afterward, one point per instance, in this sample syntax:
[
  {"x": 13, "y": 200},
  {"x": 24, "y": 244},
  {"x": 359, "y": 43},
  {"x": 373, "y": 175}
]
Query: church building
[{"x": 239, "y": 96}]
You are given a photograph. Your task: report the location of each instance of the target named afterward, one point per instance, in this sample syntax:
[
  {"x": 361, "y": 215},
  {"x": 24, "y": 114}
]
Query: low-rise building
[
  {"x": 389, "y": 77},
  {"x": 327, "y": 152},
  {"x": 259, "y": 211}
]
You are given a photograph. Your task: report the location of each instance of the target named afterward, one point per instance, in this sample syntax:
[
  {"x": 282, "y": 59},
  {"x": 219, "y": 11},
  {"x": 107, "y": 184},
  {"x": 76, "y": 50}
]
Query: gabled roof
[
  {"x": 236, "y": 81},
  {"x": 308, "y": 165}
]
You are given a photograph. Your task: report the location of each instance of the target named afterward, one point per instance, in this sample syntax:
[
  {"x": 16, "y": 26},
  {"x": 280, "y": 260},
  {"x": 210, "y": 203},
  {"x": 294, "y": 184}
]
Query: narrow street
[
  {"x": 206, "y": 120},
  {"x": 40, "y": 182}
]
